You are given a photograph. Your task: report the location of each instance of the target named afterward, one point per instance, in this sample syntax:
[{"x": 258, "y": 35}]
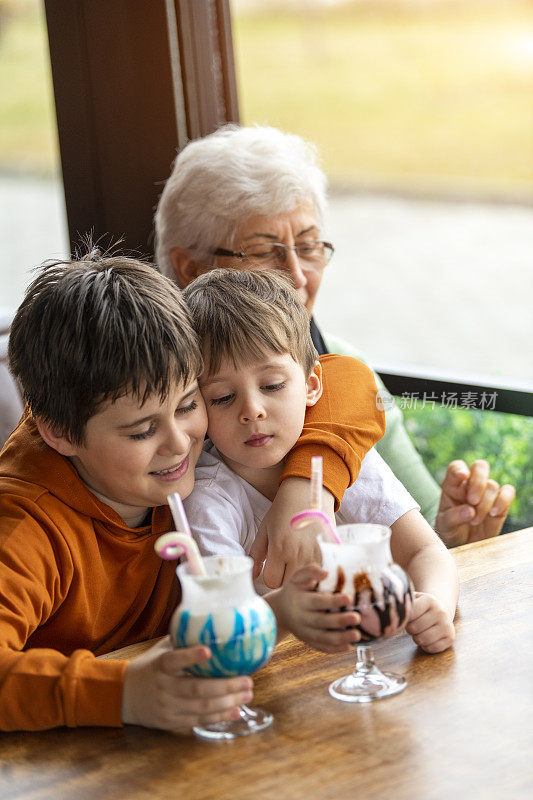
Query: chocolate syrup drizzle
[{"x": 362, "y": 582}]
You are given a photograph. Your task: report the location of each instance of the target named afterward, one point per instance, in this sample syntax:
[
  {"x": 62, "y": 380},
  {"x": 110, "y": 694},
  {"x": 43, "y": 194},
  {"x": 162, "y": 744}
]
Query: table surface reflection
[{"x": 462, "y": 729}]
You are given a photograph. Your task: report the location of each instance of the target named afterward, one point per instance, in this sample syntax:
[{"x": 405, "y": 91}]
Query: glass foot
[
  {"x": 252, "y": 720},
  {"x": 367, "y": 686}
]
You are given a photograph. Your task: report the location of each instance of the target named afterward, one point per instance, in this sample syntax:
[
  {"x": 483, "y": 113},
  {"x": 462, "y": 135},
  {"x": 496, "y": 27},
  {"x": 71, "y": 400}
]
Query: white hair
[{"x": 221, "y": 180}]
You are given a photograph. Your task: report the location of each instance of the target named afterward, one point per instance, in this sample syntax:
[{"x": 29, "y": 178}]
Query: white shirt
[{"x": 225, "y": 511}]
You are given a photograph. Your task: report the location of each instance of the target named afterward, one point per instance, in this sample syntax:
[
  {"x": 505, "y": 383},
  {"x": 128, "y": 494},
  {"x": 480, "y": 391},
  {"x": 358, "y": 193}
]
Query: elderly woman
[{"x": 249, "y": 196}]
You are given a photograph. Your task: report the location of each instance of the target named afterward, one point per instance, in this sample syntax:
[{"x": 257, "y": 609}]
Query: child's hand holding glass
[
  {"x": 158, "y": 694},
  {"x": 430, "y": 624},
  {"x": 317, "y": 618},
  {"x": 284, "y": 550}
]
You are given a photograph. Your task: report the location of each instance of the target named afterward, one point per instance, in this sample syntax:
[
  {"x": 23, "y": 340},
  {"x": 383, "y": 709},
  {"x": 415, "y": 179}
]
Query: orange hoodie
[{"x": 76, "y": 581}]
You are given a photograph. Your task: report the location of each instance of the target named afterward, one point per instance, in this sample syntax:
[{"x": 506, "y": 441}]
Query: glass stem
[{"x": 365, "y": 660}]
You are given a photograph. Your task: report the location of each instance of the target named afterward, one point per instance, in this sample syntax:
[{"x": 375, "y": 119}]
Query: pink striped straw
[
  {"x": 316, "y": 482},
  {"x": 315, "y": 513},
  {"x": 178, "y": 513},
  {"x": 174, "y": 544}
]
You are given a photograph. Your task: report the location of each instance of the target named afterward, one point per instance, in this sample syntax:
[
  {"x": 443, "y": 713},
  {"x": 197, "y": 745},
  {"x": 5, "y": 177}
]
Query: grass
[
  {"x": 28, "y": 137},
  {"x": 436, "y": 96}
]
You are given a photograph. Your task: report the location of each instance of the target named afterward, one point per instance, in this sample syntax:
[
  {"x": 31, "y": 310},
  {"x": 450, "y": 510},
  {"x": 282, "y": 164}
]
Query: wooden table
[{"x": 462, "y": 728}]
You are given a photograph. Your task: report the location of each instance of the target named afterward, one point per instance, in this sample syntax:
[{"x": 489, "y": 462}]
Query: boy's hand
[
  {"x": 429, "y": 624},
  {"x": 284, "y": 549},
  {"x": 472, "y": 505},
  {"x": 158, "y": 694},
  {"x": 316, "y": 617}
]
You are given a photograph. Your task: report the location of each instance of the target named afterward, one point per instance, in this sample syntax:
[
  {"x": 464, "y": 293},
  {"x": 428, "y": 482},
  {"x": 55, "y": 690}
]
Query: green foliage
[{"x": 504, "y": 440}]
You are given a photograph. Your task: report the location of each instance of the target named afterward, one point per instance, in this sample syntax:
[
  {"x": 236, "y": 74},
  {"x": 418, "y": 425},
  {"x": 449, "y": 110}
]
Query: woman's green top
[{"x": 396, "y": 448}]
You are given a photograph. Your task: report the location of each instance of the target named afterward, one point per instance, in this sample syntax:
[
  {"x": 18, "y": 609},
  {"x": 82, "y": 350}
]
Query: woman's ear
[
  {"x": 314, "y": 385},
  {"x": 185, "y": 268},
  {"x": 54, "y": 439}
]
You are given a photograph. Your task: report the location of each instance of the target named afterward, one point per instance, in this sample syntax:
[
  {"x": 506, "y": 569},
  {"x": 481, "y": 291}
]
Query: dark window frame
[
  {"x": 509, "y": 398},
  {"x": 132, "y": 84}
]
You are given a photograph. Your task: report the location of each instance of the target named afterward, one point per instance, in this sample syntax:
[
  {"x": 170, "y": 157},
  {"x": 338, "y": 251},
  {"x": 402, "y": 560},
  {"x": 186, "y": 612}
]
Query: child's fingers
[
  {"x": 174, "y": 712},
  {"x": 307, "y": 578},
  {"x": 205, "y": 688},
  {"x": 174, "y": 661},
  {"x": 428, "y": 636},
  {"x": 274, "y": 569},
  {"x": 440, "y": 645},
  {"x": 422, "y": 623},
  {"x": 332, "y": 641},
  {"x": 335, "y": 621},
  {"x": 258, "y": 552},
  {"x": 303, "y": 553},
  {"x": 294, "y": 564},
  {"x": 431, "y": 636},
  {"x": 203, "y": 706},
  {"x": 433, "y": 616},
  {"x": 422, "y": 603},
  {"x": 317, "y": 601}
]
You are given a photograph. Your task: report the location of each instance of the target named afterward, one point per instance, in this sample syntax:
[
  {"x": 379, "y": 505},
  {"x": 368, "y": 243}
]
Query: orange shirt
[
  {"x": 76, "y": 581},
  {"x": 341, "y": 427}
]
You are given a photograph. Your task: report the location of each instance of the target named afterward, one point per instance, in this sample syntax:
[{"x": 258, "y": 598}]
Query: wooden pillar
[{"x": 133, "y": 82}]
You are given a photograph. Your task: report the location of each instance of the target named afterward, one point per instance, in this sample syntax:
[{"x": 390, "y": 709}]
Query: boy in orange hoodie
[{"x": 108, "y": 362}]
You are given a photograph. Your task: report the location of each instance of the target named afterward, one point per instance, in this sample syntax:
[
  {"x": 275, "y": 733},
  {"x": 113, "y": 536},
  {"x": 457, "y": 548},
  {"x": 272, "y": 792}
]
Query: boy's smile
[
  {"x": 173, "y": 473},
  {"x": 134, "y": 455},
  {"x": 256, "y": 413}
]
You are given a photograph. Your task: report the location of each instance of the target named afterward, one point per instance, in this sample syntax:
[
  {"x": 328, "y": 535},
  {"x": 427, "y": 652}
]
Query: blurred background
[{"x": 422, "y": 112}]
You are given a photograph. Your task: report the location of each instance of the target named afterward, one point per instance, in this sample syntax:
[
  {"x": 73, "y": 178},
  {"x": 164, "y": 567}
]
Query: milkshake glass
[
  {"x": 222, "y": 611},
  {"x": 382, "y": 594}
]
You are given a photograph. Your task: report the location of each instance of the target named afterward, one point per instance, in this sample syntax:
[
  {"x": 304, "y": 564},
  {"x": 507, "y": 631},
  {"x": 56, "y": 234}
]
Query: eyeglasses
[{"x": 315, "y": 254}]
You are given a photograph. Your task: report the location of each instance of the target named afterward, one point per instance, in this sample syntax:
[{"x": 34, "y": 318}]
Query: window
[
  {"x": 422, "y": 113},
  {"x": 32, "y": 213}
]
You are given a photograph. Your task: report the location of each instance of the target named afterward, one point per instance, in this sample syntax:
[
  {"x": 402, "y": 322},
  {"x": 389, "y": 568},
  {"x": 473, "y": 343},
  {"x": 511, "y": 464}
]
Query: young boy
[
  {"x": 108, "y": 362},
  {"x": 260, "y": 374}
]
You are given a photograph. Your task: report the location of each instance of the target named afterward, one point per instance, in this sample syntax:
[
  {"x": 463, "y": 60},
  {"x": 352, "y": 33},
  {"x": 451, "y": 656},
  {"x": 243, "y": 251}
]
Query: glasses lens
[
  {"x": 311, "y": 251},
  {"x": 314, "y": 252},
  {"x": 263, "y": 252}
]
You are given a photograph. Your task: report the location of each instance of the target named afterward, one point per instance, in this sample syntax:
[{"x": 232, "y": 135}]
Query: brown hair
[
  {"x": 239, "y": 314},
  {"x": 96, "y": 328}
]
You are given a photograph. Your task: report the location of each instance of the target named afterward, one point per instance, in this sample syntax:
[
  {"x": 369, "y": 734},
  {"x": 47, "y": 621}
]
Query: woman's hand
[
  {"x": 472, "y": 505},
  {"x": 430, "y": 624},
  {"x": 315, "y": 617},
  {"x": 284, "y": 549},
  {"x": 158, "y": 694}
]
